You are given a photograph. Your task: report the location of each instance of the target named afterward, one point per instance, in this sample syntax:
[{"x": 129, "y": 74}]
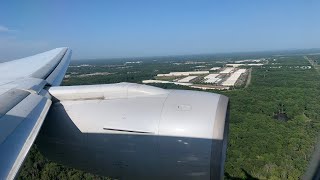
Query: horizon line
[{"x": 199, "y": 54}]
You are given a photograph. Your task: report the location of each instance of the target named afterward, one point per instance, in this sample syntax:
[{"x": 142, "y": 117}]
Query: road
[
  {"x": 313, "y": 64},
  {"x": 310, "y": 61},
  {"x": 249, "y": 78}
]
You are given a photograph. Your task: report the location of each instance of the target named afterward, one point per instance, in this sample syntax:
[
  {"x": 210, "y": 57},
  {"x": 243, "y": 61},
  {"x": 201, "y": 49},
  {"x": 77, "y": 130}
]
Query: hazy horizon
[{"x": 290, "y": 51}]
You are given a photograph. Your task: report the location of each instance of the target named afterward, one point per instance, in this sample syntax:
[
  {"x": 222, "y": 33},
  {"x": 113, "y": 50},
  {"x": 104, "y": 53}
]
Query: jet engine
[{"x": 133, "y": 131}]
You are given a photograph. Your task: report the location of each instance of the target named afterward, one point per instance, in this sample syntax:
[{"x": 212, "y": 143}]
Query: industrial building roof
[
  {"x": 233, "y": 78},
  {"x": 184, "y": 73},
  {"x": 187, "y": 79},
  {"x": 215, "y": 68},
  {"x": 227, "y": 70},
  {"x": 211, "y": 78}
]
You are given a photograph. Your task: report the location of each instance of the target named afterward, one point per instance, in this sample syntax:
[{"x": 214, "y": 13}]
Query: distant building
[
  {"x": 235, "y": 65},
  {"x": 227, "y": 70},
  {"x": 204, "y": 87},
  {"x": 184, "y": 73},
  {"x": 215, "y": 68},
  {"x": 211, "y": 78},
  {"x": 255, "y": 64},
  {"x": 165, "y": 82},
  {"x": 250, "y": 60},
  {"x": 238, "y": 65},
  {"x": 154, "y": 81},
  {"x": 133, "y": 62},
  {"x": 231, "y": 81},
  {"x": 187, "y": 79},
  {"x": 182, "y": 84}
]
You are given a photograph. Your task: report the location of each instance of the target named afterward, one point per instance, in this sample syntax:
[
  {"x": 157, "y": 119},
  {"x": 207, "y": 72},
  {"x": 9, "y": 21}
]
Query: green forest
[
  {"x": 261, "y": 144},
  {"x": 274, "y": 123}
]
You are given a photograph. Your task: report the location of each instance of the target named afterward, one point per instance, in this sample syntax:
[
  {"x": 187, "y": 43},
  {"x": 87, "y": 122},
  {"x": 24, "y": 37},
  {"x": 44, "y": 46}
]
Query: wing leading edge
[{"x": 24, "y": 103}]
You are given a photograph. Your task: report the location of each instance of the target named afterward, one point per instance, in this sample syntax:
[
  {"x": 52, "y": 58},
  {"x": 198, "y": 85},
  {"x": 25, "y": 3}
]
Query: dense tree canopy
[{"x": 263, "y": 146}]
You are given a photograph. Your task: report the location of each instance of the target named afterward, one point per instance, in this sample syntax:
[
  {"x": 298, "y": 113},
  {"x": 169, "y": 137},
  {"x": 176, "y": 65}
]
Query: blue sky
[{"x": 119, "y": 28}]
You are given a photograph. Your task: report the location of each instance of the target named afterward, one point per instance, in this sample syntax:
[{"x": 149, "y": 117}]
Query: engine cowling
[{"x": 132, "y": 131}]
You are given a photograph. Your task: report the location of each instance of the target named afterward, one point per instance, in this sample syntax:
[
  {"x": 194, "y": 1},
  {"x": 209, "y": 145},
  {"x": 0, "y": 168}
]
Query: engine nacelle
[{"x": 133, "y": 131}]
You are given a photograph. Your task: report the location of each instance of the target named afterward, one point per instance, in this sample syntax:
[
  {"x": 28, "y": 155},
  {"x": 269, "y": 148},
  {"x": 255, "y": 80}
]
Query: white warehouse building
[
  {"x": 184, "y": 73},
  {"x": 231, "y": 81},
  {"x": 227, "y": 70},
  {"x": 238, "y": 65},
  {"x": 211, "y": 78},
  {"x": 215, "y": 68},
  {"x": 154, "y": 81},
  {"x": 187, "y": 79}
]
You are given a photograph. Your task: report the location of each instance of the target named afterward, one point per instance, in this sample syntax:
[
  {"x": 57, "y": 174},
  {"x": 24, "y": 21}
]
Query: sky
[{"x": 134, "y": 28}]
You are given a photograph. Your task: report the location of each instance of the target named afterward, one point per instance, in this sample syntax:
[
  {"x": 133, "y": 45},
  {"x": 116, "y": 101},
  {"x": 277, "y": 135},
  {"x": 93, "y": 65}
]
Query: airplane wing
[{"x": 24, "y": 103}]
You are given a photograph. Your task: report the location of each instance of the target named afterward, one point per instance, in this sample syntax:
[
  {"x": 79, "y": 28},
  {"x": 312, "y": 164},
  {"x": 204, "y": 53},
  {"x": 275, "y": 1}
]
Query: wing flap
[
  {"x": 10, "y": 99},
  {"x": 18, "y": 130},
  {"x": 31, "y": 84}
]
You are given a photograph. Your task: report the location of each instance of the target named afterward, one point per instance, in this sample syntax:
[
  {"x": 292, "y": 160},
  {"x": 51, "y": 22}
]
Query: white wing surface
[{"x": 24, "y": 103}]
